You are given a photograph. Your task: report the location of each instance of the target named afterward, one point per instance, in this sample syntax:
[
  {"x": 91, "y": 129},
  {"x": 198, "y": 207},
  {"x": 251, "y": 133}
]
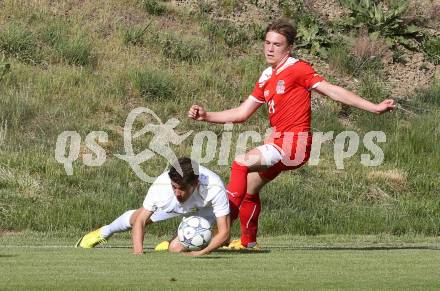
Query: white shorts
[
  {"x": 205, "y": 212},
  {"x": 270, "y": 153}
]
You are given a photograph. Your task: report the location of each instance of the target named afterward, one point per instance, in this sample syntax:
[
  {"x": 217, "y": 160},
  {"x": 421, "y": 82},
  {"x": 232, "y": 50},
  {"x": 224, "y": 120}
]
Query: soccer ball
[{"x": 194, "y": 233}]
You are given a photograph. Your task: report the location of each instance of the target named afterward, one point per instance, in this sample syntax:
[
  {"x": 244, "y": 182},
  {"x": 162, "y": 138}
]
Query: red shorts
[{"x": 295, "y": 151}]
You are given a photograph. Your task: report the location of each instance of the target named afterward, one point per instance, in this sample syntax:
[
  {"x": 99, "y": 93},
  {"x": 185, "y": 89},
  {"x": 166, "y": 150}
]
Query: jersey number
[{"x": 271, "y": 105}]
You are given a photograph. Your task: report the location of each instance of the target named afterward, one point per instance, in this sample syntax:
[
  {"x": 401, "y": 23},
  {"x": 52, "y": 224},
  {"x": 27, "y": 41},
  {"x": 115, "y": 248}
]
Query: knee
[
  {"x": 248, "y": 159},
  {"x": 240, "y": 159}
]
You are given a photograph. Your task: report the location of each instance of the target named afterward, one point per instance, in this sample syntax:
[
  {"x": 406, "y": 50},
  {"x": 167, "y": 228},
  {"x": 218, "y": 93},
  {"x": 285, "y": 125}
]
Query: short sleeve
[
  {"x": 258, "y": 94},
  {"x": 218, "y": 198},
  {"x": 220, "y": 203},
  {"x": 307, "y": 76},
  {"x": 159, "y": 194},
  {"x": 149, "y": 203}
]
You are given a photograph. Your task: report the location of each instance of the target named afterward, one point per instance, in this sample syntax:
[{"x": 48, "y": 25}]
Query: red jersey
[{"x": 287, "y": 93}]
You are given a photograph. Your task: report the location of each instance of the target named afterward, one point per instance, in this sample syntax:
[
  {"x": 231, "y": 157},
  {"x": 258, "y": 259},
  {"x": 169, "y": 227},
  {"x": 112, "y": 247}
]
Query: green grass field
[
  {"x": 48, "y": 261},
  {"x": 84, "y": 65}
]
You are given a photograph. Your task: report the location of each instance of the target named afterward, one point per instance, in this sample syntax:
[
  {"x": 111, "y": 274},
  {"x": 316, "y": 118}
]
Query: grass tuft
[
  {"x": 432, "y": 49},
  {"x": 225, "y": 30},
  {"x": 18, "y": 42},
  {"x": 340, "y": 60},
  {"x": 154, "y": 7},
  {"x": 133, "y": 36},
  {"x": 154, "y": 85},
  {"x": 178, "y": 48},
  {"x": 77, "y": 51},
  {"x": 372, "y": 88},
  {"x": 364, "y": 56}
]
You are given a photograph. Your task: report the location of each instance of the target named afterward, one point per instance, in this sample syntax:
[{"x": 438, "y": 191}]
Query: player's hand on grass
[
  {"x": 386, "y": 105},
  {"x": 138, "y": 252},
  {"x": 194, "y": 253},
  {"x": 197, "y": 112}
]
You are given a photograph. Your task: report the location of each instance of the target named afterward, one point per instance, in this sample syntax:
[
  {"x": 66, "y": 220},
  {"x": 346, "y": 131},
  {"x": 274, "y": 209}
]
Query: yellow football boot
[
  {"x": 236, "y": 245},
  {"x": 91, "y": 240}
]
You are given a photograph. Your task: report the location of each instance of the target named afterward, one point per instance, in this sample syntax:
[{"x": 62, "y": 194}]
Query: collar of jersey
[
  {"x": 267, "y": 73},
  {"x": 287, "y": 63}
]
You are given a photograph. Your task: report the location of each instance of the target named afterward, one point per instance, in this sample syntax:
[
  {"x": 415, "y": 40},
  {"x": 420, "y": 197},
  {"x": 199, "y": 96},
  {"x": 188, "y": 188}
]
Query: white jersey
[{"x": 210, "y": 193}]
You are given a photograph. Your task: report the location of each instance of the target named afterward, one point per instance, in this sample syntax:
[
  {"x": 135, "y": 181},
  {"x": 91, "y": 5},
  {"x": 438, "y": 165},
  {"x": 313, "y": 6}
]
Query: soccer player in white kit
[{"x": 198, "y": 191}]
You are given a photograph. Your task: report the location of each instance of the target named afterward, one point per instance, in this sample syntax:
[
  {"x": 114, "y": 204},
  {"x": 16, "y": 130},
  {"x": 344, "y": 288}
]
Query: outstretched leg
[
  {"x": 100, "y": 235},
  {"x": 250, "y": 162}
]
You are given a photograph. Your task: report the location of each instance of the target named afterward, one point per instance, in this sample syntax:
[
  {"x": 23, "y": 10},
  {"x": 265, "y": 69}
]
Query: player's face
[
  {"x": 183, "y": 192},
  {"x": 276, "y": 48}
]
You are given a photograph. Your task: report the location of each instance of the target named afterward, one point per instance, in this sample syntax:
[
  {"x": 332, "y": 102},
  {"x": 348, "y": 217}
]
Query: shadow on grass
[
  {"x": 368, "y": 248},
  {"x": 269, "y": 248},
  {"x": 264, "y": 251},
  {"x": 7, "y": 256}
]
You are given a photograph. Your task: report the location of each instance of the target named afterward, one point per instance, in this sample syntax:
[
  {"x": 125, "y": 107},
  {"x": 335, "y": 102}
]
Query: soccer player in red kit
[{"x": 285, "y": 87}]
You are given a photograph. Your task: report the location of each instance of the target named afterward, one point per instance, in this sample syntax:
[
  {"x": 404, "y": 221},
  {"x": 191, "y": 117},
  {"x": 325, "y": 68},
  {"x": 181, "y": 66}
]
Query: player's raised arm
[
  {"x": 235, "y": 115},
  {"x": 138, "y": 230},
  {"x": 349, "y": 98}
]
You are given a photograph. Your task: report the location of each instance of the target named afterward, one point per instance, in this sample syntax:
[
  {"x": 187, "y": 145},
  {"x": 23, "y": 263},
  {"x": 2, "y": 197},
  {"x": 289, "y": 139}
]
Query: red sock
[
  {"x": 236, "y": 188},
  {"x": 249, "y": 213}
]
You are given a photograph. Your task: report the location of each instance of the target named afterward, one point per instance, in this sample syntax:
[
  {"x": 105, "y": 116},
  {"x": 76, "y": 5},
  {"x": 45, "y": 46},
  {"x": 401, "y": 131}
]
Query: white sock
[{"x": 120, "y": 224}]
